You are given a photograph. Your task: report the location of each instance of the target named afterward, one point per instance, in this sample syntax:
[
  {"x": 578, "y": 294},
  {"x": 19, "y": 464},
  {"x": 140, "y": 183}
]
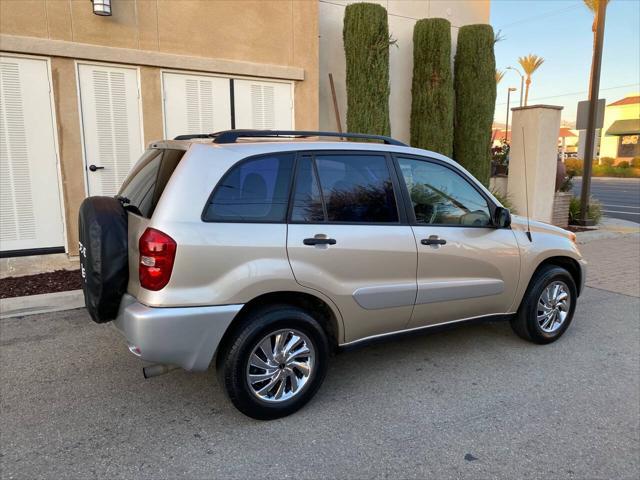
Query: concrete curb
[
  {"x": 609, "y": 228},
  {"x": 44, "y": 303}
]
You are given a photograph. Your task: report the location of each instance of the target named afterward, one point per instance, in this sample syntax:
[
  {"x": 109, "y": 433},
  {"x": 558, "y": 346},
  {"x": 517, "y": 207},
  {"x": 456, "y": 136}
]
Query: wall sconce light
[{"x": 102, "y": 7}]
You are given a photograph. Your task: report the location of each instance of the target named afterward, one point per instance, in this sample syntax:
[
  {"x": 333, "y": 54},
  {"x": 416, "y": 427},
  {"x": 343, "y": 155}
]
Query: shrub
[
  {"x": 475, "y": 90},
  {"x": 432, "y": 88},
  {"x": 635, "y": 162},
  {"x": 623, "y": 164},
  {"x": 366, "y": 48},
  {"x": 505, "y": 200},
  {"x": 607, "y": 161},
  {"x": 594, "y": 213},
  {"x": 574, "y": 166}
]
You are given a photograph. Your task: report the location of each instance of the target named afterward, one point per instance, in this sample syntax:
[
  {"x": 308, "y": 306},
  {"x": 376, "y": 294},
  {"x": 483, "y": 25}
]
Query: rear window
[
  {"x": 254, "y": 190},
  {"x": 144, "y": 186}
]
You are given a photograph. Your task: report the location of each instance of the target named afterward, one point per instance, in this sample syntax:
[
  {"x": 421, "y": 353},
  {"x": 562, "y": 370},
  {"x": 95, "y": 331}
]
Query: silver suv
[{"x": 264, "y": 256}]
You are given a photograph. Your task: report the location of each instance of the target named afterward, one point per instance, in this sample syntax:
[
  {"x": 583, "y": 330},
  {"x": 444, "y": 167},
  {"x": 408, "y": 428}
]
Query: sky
[{"x": 560, "y": 32}]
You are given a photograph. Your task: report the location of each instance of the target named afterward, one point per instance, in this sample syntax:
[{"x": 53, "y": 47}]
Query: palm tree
[
  {"x": 530, "y": 64},
  {"x": 593, "y": 6},
  {"x": 499, "y": 75}
]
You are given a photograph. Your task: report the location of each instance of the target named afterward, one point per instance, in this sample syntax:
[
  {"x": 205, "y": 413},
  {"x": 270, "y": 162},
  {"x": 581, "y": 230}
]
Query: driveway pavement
[{"x": 474, "y": 402}]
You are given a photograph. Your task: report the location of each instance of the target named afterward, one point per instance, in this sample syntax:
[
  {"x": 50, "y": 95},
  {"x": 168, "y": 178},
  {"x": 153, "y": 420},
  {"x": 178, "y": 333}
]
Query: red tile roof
[
  {"x": 626, "y": 101},
  {"x": 566, "y": 132}
]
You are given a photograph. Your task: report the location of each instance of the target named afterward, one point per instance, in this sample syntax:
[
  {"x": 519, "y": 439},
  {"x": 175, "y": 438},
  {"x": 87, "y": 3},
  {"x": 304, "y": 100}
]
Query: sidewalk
[{"x": 614, "y": 264}]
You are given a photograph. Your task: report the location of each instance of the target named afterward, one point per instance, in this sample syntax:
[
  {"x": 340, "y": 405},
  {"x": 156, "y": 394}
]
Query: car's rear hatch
[{"x": 140, "y": 193}]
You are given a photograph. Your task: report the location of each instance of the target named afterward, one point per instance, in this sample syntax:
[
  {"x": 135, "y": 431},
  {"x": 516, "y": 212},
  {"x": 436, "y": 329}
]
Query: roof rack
[
  {"x": 194, "y": 136},
  {"x": 231, "y": 136}
]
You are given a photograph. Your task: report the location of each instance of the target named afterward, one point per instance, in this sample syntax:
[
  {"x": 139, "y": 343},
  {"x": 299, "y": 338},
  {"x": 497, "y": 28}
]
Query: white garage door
[
  {"x": 195, "y": 104},
  {"x": 263, "y": 105},
  {"x": 30, "y": 211},
  {"x": 111, "y": 125}
]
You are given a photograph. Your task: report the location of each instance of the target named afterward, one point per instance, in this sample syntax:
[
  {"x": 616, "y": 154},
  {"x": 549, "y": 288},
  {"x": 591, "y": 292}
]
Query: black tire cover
[{"x": 104, "y": 262}]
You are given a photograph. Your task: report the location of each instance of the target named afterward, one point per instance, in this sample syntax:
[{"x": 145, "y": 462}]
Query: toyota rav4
[{"x": 263, "y": 252}]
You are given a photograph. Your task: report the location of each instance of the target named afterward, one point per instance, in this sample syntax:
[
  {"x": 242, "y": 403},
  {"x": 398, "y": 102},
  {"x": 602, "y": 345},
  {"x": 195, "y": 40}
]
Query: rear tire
[
  {"x": 548, "y": 306},
  {"x": 274, "y": 362}
]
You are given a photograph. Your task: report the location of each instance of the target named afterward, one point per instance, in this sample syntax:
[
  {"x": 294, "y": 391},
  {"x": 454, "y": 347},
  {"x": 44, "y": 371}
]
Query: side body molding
[
  {"x": 385, "y": 296},
  {"x": 445, "y": 290}
]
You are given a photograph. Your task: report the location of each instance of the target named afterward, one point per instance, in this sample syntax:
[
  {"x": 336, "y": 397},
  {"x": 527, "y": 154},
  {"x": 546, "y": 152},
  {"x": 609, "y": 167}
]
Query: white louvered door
[
  {"x": 30, "y": 210},
  {"x": 263, "y": 105},
  {"x": 111, "y": 125},
  {"x": 195, "y": 104}
]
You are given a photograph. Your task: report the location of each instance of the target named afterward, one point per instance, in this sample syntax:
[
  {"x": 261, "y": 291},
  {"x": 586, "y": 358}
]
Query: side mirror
[{"x": 502, "y": 217}]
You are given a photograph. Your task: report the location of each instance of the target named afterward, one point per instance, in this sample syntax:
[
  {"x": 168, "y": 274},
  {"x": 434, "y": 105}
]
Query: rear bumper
[{"x": 187, "y": 337}]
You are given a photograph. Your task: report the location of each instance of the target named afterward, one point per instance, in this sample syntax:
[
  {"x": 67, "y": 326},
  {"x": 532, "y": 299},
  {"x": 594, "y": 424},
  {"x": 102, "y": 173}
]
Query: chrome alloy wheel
[
  {"x": 553, "y": 306},
  {"x": 280, "y": 365}
]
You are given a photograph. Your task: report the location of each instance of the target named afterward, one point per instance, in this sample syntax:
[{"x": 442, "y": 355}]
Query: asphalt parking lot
[{"x": 474, "y": 402}]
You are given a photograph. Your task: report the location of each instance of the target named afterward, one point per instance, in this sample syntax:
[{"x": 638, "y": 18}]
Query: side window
[
  {"x": 441, "y": 196},
  {"x": 307, "y": 201},
  {"x": 347, "y": 189},
  {"x": 146, "y": 182},
  {"x": 255, "y": 190}
]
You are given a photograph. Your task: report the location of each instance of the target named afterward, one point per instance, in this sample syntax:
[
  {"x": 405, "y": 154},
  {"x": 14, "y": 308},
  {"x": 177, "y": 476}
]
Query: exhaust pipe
[{"x": 157, "y": 369}]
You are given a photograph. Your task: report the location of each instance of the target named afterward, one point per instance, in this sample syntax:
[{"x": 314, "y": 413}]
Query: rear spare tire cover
[{"x": 104, "y": 262}]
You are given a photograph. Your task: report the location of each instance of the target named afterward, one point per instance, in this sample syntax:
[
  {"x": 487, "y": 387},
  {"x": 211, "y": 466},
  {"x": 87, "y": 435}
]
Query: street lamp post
[
  {"x": 506, "y": 127},
  {"x": 521, "y": 81}
]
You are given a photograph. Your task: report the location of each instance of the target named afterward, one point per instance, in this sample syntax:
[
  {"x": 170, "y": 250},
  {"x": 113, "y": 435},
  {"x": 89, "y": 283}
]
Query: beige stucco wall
[
  {"x": 533, "y": 160},
  {"x": 402, "y": 16},
  {"x": 270, "y": 38}
]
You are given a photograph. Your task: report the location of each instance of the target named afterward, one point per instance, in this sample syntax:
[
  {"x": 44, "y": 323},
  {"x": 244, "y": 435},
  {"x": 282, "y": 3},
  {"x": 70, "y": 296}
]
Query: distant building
[{"x": 620, "y": 133}]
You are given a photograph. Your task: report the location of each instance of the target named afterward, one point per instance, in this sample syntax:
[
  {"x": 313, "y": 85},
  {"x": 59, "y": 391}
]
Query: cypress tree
[
  {"x": 366, "y": 48},
  {"x": 475, "y": 87},
  {"x": 432, "y": 88}
]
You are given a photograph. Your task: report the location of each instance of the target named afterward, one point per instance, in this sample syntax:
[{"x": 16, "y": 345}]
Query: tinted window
[
  {"x": 256, "y": 190},
  {"x": 357, "y": 188},
  {"x": 144, "y": 185},
  {"x": 441, "y": 196},
  {"x": 307, "y": 202}
]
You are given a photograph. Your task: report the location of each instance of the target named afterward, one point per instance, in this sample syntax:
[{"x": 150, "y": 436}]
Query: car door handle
[
  {"x": 433, "y": 240},
  {"x": 319, "y": 241},
  {"x": 93, "y": 168}
]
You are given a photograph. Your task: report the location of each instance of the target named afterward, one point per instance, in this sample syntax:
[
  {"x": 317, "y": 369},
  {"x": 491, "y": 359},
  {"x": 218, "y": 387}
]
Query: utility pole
[{"x": 594, "y": 85}]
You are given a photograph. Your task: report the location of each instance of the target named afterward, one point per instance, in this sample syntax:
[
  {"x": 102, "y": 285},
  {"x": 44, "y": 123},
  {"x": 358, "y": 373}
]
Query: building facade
[
  {"x": 620, "y": 135},
  {"x": 81, "y": 95}
]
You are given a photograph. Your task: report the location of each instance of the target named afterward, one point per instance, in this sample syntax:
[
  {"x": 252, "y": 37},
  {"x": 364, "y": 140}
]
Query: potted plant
[
  {"x": 562, "y": 197},
  {"x": 500, "y": 159}
]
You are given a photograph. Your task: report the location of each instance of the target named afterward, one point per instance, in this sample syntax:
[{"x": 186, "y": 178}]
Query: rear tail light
[{"x": 157, "y": 253}]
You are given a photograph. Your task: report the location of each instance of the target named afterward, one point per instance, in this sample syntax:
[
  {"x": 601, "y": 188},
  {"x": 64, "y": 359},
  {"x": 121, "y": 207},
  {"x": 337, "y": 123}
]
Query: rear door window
[
  {"x": 143, "y": 187},
  {"x": 253, "y": 191},
  {"x": 344, "y": 188}
]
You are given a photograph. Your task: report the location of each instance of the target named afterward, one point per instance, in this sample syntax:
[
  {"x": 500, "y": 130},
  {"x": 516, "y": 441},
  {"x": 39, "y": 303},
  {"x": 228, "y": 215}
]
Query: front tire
[
  {"x": 275, "y": 361},
  {"x": 548, "y": 306}
]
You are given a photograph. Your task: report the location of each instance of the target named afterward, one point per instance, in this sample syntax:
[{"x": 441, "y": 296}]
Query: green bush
[
  {"x": 366, "y": 48},
  {"x": 594, "y": 213},
  {"x": 505, "y": 200},
  {"x": 574, "y": 166},
  {"x": 432, "y": 88},
  {"x": 607, "y": 161},
  {"x": 635, "y": 163},
  {"x": 623, "y": 164},
  {"x": 475, "y": 90}
]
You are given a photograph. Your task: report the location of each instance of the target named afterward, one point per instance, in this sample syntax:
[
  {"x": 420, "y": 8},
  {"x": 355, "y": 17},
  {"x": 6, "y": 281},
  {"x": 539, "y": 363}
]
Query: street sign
[{"x": 583, "y": 114}]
